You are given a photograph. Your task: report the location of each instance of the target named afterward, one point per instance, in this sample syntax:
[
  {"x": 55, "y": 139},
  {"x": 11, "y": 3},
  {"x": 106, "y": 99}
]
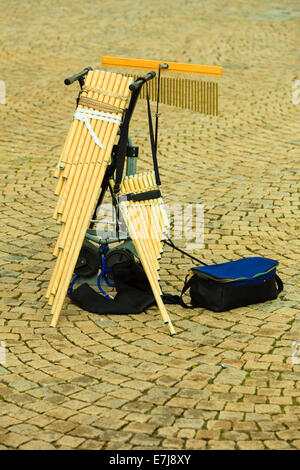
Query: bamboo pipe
[
  {"x": 84, "y": 218},
  {"x": 83, "y": 202},
  {"x": 143, "y": 179},
  {"x": 133, "y": 186},
  {"x": 95, "y": 81},
  {"x": 57, "y": 267},
  {"x": 145, "y": 248},
  {"x": 153, "y": 283},
  {"x": 74, "y": 189},
  {"x": 83, "y": 176},
  {"x": 162, "y": 212},
  {"x": 124, "y": 207},
  {"x": 79, "y": 179},
  {"x": 151, "y": 205},
  {"x": 74, "y": 131},
  {"x": 64, "y": 156},
  {"x": 90, "y": 151},
  {"x": 73, "y": 155},
  {"x": 76, "y": 150},
  {"x": 58, "y": 190},
  {"x": 157, "y": 208}
]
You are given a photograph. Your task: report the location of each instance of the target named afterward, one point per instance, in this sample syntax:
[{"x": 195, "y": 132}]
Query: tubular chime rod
[{"x": 187, "y": 93}]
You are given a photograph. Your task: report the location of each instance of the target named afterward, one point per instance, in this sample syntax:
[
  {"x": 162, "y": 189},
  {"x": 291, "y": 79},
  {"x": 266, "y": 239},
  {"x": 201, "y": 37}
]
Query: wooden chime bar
[
  {"x": 176, "y": 67},
  {"x": 187, "y": 93},
  {"x": 147, "y": 225},
  {"x": 80, "y": 171}
]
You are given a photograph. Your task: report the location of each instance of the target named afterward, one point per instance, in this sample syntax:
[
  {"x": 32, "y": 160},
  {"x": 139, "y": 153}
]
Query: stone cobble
[{"x": 226, "y": 380}]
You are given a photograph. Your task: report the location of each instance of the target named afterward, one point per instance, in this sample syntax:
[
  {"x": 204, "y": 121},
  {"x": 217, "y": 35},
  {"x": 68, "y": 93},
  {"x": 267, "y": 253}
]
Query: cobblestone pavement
[{"x": 116, "y": 382}]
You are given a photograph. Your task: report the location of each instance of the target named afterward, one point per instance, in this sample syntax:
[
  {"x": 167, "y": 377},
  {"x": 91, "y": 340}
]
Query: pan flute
[
  {"x": 80, "y": 171},
  {"x": 142, "y": 208}
]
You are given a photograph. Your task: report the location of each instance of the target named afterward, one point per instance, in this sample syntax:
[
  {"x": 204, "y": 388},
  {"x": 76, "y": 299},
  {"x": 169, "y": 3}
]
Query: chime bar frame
[{"x": 175, "y": 67}]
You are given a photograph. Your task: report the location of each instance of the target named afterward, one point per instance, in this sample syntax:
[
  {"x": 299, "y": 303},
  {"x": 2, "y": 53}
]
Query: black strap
[
  {"x": 152, "y": 140},
  {"x": 279, "y": 284},
  {"x": 187, "y": 284},
  {"x": 122, "y": 144},
  {"x": 120, "y": 157},
  {"x": 155, "y": 194},
  {"x": 124, "y": 131},
  {"x": 170, "y": 243}
]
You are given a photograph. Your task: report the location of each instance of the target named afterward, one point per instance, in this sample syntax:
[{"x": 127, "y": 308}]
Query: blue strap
[
  {"x": 71, "y": 285},
  {"x": 103, "y": 250}
]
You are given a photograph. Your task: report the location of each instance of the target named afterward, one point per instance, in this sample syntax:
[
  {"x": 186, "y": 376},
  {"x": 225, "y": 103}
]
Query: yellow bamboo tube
[
  {"x": 74, "y": 133},
  {"x": 145, "y": 220},
  {"x": 60, "y": 187},
  {"x": 149, "y": 255},
  {"x": 69, "y": 256},
  {"x": 57, "y": 266},
  {"x": 65, "y": 231},
  {"x": 83, "y": 175},
  {"x": 81, "y": 129},
  {"x": 100, "y": 80},
  {"x": 137, "y": 214},
  {"x": 76, "y": 153},
  {"x": 77, "y": 179},
  {"x": 153, "y": 282},
  {"x": 159, "y": 208},
  {"x": 91, "y": 154},
  {"x": 131, "y": 225},
  {"x": 150, "y": 179},
  {"x": 70, "y": 265},
  {"x": 50, "y": 300},
  {"x": 132, "y": 209},
  {"x": 87, "y": 180},
  {"x": 58, "y": 190},
  {"x": 154, "y": 232}
]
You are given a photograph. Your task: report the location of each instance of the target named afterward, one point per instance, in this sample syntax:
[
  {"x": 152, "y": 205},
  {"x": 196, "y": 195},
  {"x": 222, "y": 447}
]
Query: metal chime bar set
[
  {"x": 101, "y": 107},
  {"x": 196, "y": 95},
  {"x": 187, "y": 93}
]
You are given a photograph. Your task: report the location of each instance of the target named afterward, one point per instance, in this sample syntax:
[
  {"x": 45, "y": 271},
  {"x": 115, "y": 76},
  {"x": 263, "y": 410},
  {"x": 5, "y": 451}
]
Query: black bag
[
  {"x": 225, "y": 286},
  {"x": 134, "y": 294}
]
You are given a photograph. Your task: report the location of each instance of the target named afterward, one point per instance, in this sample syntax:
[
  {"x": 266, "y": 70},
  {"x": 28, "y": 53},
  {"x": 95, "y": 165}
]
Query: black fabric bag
[
  {"x": 225, "y": 286},
  {"x": 134, "y": 293}
]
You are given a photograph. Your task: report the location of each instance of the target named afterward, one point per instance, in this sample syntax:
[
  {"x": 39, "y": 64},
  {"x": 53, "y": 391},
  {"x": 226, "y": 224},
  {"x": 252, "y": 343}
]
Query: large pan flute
[
  {"x": 80, "y": 171},
  {"x": 142, "y": 208}
]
